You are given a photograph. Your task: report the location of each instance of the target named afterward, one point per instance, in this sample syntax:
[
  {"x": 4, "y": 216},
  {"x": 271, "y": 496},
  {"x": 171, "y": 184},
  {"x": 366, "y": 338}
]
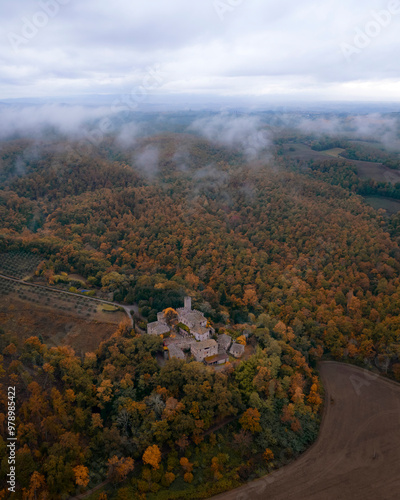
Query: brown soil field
[
  {"x": 357, "y": 454},
  {"x": 77, "y": 277},
  {"x": 365, "y": 169},
  {"x": 392, "y": 206},
  {"x": 303, "y": 152},
  {"x": 24, "y": 319},
  {"x": 335, "y": 152},
  {"x": 376, "y": 171}
]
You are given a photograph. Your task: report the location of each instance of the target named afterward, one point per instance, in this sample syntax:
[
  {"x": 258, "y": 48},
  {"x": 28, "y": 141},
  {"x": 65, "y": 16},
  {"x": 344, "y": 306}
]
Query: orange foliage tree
[
  {"x": 152, "y": 456},
  {"x": 250, "y": 420},
  {"x": 119, "y": 468},
  {"x": 81, "y": 475}
]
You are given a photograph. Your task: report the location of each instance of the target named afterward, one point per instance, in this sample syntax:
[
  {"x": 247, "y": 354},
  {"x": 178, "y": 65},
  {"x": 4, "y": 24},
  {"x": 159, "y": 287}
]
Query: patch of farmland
[
  {"x": 391, "y": 205},
  {"x": 302, "y": 152},
  {"x": 335, "y": 152},
  {"x": 19, "y": 264},
  {"x": 357, "y": 454},
  {"x": 365, "y": 169},
  {"x": 23, "y": 320},
  {"x": 76, "y": 305},
  {"x": 376, "y": 171}
]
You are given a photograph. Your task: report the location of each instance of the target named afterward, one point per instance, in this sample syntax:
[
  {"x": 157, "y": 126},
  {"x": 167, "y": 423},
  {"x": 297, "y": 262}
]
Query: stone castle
[
  {"x": 195, "y": 321},
  {"x": 196, "y": 337}
]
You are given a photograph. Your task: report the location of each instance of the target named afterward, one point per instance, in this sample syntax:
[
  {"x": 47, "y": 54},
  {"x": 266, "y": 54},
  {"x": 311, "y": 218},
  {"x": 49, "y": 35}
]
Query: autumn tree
[
  {"x": 152, "y": 456},
  {"x": 250, "y": 420},
  {"x": 241, "y": 340},
  {"x": 36, "y": 484},
  {"x": 186, "y": 465},
  {"x": 81, "y": 475},
  {"x": 119, "y": 468},
  {"x": 268, "y": 456}
]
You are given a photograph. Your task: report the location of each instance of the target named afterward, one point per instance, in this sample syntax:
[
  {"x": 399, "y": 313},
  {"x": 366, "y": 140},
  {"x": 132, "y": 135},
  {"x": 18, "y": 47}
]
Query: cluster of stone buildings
[
  {"x": 195, "y": 335},
  {"x": 194, "y": 320}
]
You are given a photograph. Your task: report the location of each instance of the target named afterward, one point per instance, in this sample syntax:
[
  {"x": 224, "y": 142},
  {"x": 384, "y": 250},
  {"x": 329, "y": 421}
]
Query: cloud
[
  {"x": 32, "y": 120},
  {"x": 272, "y": 48},
  {"x": 371, "y": 126},
  {"x": 147, "y": 161},
  {"x": 127, "y": 135},
  {"x": 244, "y": 133}
]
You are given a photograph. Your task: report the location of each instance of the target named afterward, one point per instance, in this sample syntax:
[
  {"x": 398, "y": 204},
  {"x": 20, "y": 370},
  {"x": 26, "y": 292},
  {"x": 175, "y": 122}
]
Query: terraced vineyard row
[
  {"x": 68, "y": 303},
  {"x": 19, "y": 264}
]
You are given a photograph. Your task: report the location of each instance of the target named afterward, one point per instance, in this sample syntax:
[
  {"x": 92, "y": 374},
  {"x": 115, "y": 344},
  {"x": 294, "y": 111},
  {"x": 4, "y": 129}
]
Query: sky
[{"x": 306, "y": 50}]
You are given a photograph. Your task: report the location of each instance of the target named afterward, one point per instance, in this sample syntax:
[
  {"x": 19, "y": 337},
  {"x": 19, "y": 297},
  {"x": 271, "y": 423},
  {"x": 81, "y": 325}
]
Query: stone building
[
  {"x": 204, "y": 349},
  {"x": 175, "y": 352},
  {"x": 194, "y": 320},
  {"x": 218, "y": 359},
  {"x": 157, "y": 328},
  {"x": 237, "y": 350},
  {"x": 224, "y": 342}
]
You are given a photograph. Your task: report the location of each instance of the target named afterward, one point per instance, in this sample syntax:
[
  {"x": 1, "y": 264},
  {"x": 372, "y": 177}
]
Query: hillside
[
  {"x": 240, "y": 239},
  {"x": 363, "y": 459},
  {"x": 281, "y": 250}
]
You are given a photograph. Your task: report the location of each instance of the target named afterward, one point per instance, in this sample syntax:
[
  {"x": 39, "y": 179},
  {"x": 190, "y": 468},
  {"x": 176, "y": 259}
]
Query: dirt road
[{"x": 357, "y": 455}]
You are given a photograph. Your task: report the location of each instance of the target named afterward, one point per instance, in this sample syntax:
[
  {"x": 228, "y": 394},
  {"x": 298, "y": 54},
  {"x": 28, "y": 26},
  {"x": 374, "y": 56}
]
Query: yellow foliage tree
[
  {"x": 186, "y": 465},
  {"x": 171, "y": 316},
  {"x": 241, "y": 340},
  {"x": 314, "y": 399},
  {"x": 250, "y": 420},
  {"x": 216, "y": 468},
  {"x": 36, "y": 483},
  {"x": 104, "y": 392},
  {"x": 188, "y": 477},
  {"x": 81, "y": 475},
  {"x": 169, "y": 478},
  {"x": 152, "y": 456},
  {"x": 268, "y": 455},
  {"x": 97, "y": 421}
]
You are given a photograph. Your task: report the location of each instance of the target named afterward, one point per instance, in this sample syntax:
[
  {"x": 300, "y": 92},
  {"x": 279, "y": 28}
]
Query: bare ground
[
  {"x": 365, "y": 169},
  {"x": 24, "y": 319},
  {"x": 391, "y": 205},
  {"x": 357, "y": 454}
]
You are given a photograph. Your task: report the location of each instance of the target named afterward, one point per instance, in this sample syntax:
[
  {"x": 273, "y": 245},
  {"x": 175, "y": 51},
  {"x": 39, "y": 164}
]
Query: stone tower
[{"x": 188, "y": 303}]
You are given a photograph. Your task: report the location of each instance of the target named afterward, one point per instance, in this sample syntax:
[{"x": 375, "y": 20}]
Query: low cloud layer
[
  {"x": 32, "y": 120},
  {"x": 374, "y": 126},
  {"x": 146, "y": 161},
  {"x": 247, "y": 134}
]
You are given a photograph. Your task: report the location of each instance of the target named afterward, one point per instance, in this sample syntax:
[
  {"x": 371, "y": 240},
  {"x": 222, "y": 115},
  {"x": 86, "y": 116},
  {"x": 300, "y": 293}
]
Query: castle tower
[{"x": 188, "y": 303}]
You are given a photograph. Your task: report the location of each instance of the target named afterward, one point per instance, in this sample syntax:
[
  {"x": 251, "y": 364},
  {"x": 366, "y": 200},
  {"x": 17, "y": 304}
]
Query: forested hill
[
  {"x": 242, "y": 239},
  {"x": 290, "y": 256}
]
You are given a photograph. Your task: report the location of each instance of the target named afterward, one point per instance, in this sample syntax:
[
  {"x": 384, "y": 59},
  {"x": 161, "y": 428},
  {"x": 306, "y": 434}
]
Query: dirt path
[
  {"x": 126, "y": 308},
  {"x": 357, "y": 455},
  {"x": 90, "y": 492}
]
